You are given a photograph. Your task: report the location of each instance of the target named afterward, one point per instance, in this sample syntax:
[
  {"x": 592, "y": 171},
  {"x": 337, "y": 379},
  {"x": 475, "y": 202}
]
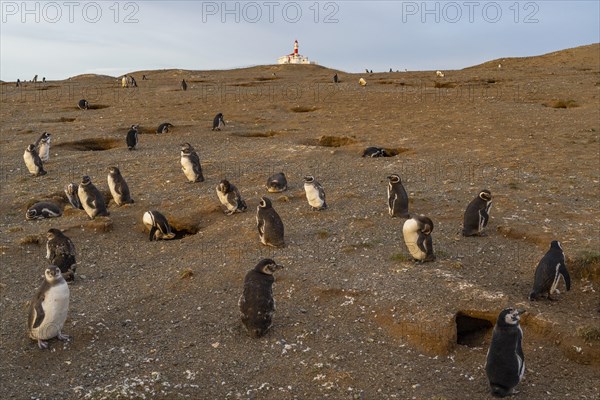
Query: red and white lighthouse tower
[
  {"x": 296, "y": 48},
  {"x": 294, "y": 58}
]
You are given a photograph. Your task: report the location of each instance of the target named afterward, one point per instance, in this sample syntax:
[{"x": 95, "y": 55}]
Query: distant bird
[
  {"x": 33, "y": 161},
  {"x": 417, "y": 236},
  {"x": 505, "y": 362},
  {"x": 335, "y": 78},
  {"x": 477, "y": 214},
  {"x": 43, "y": 146},
  {"x": 91, "y": 199},
  {"x": 164, "y": 127},
  {"x": 184, "y": 85},
  {"x": 83, "y": 104},
  {"x": 315, "y": 194},
  {"x": 43, "y": 209},
  {"x": 118, "y": 187},
  {"x": 48, "y": 309},
  {"x": 158, "y": 225},
  {"x": 230, "y": 197},
  {"x": 71, "y": 192},
  {"x": 256, "y": 303},
  {"x": 269, "y": 224},
  {"x": 18, "y": 82},
  {"x": 60, "y": 251},
  {"x": 218, "y": 122},
  {"x": 132, "y": 137},
  {"x": 397, "y": 197},
  {"x": 277, "y": 183},
  {"x": 549, "y": 271},
  {"x": 190, "y": 163}
]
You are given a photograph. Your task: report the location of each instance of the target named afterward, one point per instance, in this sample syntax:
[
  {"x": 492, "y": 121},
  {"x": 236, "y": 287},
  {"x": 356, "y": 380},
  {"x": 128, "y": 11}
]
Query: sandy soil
[{"x": 356, "y": 319}]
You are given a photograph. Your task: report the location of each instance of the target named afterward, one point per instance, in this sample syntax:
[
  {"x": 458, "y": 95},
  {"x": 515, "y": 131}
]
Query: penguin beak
[{"x": 521, "y": 311}]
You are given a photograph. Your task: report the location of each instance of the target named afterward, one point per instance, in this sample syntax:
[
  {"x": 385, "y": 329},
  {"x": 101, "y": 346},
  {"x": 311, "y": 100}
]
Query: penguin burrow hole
[
  {"x": 92, "y": 144},
  {"x": 471, "y": 331}
]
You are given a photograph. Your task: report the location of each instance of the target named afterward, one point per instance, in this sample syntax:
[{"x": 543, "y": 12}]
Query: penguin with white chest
[
  {"x": 71, "y": 191},
  {"x": 397, "y": 197},
  {"x": 60, "y": 251},
  {"x": 549, "y": 271},
  {"x": 505, "y": 362},
  {"x": 256, "y": 303},
  {"x": 43, "y": 146},
  {"x": 230, "y": 197},
  {"x": 477, "y": 214},
  {"x": 118, "y": 187},
  {"x": 43, "y": 209},
  {"x": 132, "y": 137},
  {"x": 218, "y": 122},
  {"x": 33, "y": 161},
  {"x": 269, "y": 224},
  {"x": 315, "y": 194},
  {"x": 417, "y": 236},
  {"x": 48, "y": 309},
  {"x": 190, "y": 163},
  {"x": 158, "y": 225},
  {"x": 91, "y": 199}
]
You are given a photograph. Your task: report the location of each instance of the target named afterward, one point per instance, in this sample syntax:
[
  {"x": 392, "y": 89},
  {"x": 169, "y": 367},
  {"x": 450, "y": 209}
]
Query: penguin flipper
[
  {"x": 565, "y": 274},
  {"x": 37, "y": 312},
  {"x": 152, "y": 231}
]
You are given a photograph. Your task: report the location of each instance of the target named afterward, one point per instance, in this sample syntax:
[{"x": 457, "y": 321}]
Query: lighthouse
[{"x": 294, "y": 57}]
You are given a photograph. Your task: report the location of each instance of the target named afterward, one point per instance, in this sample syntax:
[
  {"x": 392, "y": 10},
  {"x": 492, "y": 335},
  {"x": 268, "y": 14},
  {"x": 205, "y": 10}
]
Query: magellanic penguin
[
  {"x": 256, "y": 303},
  {"x": 43, "y": 209},
  {"x": 184, "y": 85},
  {"x": 33, "y": 161},
  {"x": 277, "y": 183},
  {"x": 71, "y": 192},
  {"x": 375, "y": 152},
  {"x": 505, "y": 362},
  {"x": 269, "y": 224},
  {"x": 48, "y": 309},
  {"x": 43, "y": 146},
  {"x": 164, "y": 127},
  {"x": 218, "y": 122},
  {"x": 417, "y": 236},
  {"x": 190, "y": 163},
  {"x": 60, "y": 251},
  {"x": 548, "y": 272},
  {"x": 315, "y": 194},
  {"x": 83, "y": 104},
  {"x": 132, "y": 137},
  {"x": 91, "y": 199},
  {"x": 158, "y": 225},
  {"x": 397, "y": 197},
  {"x": 230, "y": 197},
  {"x": 477, "y": 214},
  {"x": 118, "y": 187}
]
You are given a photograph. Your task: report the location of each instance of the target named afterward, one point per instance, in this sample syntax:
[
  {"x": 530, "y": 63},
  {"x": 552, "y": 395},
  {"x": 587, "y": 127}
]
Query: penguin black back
[
  {"x": 477, "y": 214},
  {"x": 132, "y": 137},
  {"x": 549, "y": 271}
]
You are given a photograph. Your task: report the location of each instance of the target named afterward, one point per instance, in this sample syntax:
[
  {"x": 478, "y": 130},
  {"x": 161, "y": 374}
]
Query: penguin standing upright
[
  {"x": 48, "y": 309},
  {"x": 477, "y": 214},
  {"x": 71, "y": 191},
  {"x": 397, "y": 197},
  {"x": 256, "y": 303},
  {"x": 60, "y": 251},
  {"x": 417, "y": 236},
  {"x": 118, "y": 187},
  {"x": 218, "y": 122},
  {"x": 269, "y": 224},
  {"x": 43, "y": 146},
  {"x": 230, "y": 197},
  {"x": 315, "y": 194},
  {"x": 33, "y": 161},
  {"x": 277, "y": 183},
  {"x": 190, "y": 163},
  {"x": 132, "y": 137},
  {"x": 335, "y": 78},
  {"x": 505, "y": 362},
  {"x": 91, "y": 199},
  {"x": 184, "y": 85},
  {"x": 158, "y": 225},
  {"x": 549, "y": 271}
]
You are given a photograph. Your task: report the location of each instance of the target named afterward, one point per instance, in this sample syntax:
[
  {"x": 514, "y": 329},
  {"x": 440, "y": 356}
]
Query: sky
[{"x": 59, "y": 39}]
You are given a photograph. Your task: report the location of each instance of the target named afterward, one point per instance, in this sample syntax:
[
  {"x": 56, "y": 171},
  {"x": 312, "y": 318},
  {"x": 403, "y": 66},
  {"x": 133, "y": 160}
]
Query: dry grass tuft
[{"x": 561, "y": 104}]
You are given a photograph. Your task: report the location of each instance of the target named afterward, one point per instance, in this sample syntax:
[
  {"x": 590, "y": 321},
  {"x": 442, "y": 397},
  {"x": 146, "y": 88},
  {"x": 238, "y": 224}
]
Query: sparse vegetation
[
  {"x": 589, "y": 333},
  {"x": 335, "y": 141},
  {"x": 561, "y": 104}
]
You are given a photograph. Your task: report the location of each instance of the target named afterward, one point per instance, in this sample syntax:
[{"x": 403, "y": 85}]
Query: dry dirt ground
[{"x": 356, "y": 319}]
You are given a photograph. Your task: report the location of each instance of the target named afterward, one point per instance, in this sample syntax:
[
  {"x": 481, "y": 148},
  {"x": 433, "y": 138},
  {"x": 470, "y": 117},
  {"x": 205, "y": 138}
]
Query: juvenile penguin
[
  {"x": 315, "y": 194},
  {"x": 230, "y": 197},
  {"x": 397, "y": 197},
  {"x": 269, "y": 224},
  {"x": 33, "y": 161},
  {"x": 48, "y": 309},
  {"x": 477, "y": 214},
  {"x": 83, "y": 104},
  {"x": 43, "y": 146},
  {"x": 60, "y": 251},
  {"x": 256, "y": 303},
  {"x": 132, "y": 137},
  {"x": 43, "y": 209},
  {"x": 505, "y": 362},
  {"x": 218, "y": 122},
  {"x": 118, "y": 187},
  {"x": 277, "y": 183},
  {"x": 190, "y": 163},
  {"x": 91, "y": 199},
  {"x": 549, "y": 271},
  {"x": 164, "y": 127},
  {"x": 417, "y": 236},
  {"x": 375, "y": 152},
  {"x": 71, "y": 191},
  {"x": 158, "y": 225}
]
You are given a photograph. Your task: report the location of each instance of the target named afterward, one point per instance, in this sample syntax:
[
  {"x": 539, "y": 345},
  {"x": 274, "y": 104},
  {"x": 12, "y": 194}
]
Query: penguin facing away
[
  {"x": 315, "y": 194},
  {"x": 230, "y": 197},
  {"x": 397, "y": 197},
  {"x": 132, "y": 137},
  {"x": 477, "y": 214},
  {"x": 277, "y": 183},
  {"x": 218, "y": 122},
  {"x": 190, "y": 163},
  {"x": 256, "y": 303},
  {"x": 269, "y": 224},
  {"x": 549, "y": 271},
  {"x": 158, "y": 225},
  {"x": 48, "y": 309},
  {"x": 417, "y": 236},
  {"x": 91, "y": 199},
  {"x": 33, "y": 161},
  {"x": 43, "y": 146},
  {"x": 505, "y": 362},
  {"x": 71, "y": 192},
  {"x": 118, "y": 187},
  {"x": 60, "y": 251}
]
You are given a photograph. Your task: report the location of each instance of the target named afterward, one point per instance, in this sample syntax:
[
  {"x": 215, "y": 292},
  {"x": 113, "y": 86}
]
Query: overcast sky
[{"x": 65, "y": 38}]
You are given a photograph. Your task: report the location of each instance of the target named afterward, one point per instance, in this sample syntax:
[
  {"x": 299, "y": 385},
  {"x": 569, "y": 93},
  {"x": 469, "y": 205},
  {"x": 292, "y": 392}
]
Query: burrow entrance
[
  {"x": 471, "y": 331},
  {"x": 93, "y": 144}
]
